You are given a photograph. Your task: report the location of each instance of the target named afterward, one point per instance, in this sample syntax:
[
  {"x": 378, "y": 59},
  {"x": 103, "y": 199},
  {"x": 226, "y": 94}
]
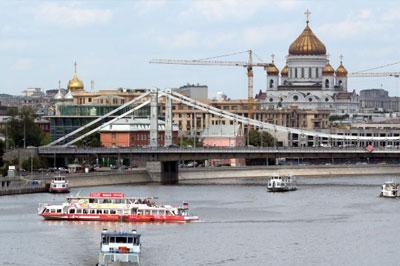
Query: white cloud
[
  {"x": 235, "y": 9},
  {"x": 22, "y": 64},
  {"x": 187, "y": 39},
  {"x": 363, "y": 23},
  {"x": 13, "y": 44},
  {"x": 72, "y": 15},
  {"x": 144, "y": 7}
]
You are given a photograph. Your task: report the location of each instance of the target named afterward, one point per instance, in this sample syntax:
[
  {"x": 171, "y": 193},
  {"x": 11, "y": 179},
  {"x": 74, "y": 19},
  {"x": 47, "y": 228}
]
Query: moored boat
[
  {"x": 281, "y": 184},
  {"x": 59, "y": 184},
  {"x": 105, "y": 206},
  {"x": 390, "y": 189},
  {"x": 119, "y": 248}
]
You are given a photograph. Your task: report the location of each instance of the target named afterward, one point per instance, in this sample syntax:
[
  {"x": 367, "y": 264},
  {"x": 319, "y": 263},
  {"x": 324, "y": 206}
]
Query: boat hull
[
  {"x": 59, "y": 190},
  {"x": 277, "y": 189},
  {"x": 117, "y": 218}
]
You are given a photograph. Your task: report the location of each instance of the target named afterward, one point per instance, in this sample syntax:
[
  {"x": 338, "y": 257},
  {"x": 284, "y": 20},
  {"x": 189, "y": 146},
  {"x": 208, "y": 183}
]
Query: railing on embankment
[
  {"x": 137, "y": 176},
  {"x": 16, "y": 185},
  {"x": 192, "y": 174}
]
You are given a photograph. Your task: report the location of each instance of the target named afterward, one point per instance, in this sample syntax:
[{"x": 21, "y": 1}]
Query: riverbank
[
  {"x": 223, "y": 175},
  {"x": 239, "y": 175}
]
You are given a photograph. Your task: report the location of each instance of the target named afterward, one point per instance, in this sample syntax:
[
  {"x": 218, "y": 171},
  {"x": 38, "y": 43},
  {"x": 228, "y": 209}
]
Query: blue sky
[{"x": 112, "y": 41}]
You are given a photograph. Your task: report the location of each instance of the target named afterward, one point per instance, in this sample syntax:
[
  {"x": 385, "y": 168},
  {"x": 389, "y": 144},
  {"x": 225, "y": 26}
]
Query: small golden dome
[
  {"x": 328, "y": 70},
  {"x": 341, "y": 71},
  {"x": 307, "y": 44},
  {"x": 272, "y": 69},
  {"x": 75, "y": 84},
  {"x": 285, "y": 71}
]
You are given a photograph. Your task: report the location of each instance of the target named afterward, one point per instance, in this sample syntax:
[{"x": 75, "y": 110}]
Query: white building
[{"x": 308, "y": 80}]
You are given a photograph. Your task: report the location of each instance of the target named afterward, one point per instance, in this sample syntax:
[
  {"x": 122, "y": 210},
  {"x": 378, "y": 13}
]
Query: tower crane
[
  {"x": 374, "y": 74},
  {"x": 208, "y": 62}
]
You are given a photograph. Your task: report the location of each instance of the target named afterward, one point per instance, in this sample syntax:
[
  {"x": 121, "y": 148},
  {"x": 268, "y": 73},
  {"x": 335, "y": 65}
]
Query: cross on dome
[
  {"x": 307, "y": 13},
  {"x": 75, "y": 67},
  {"x": 273, "y": 58},
  {"x": 341, "y": 58}
]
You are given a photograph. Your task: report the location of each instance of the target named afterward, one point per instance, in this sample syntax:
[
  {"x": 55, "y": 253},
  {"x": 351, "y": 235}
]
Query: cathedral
[{"x": 308, "y": 80}]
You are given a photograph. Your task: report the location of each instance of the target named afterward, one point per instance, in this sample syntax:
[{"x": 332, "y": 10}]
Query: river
[{"x": 329, "y": 221}]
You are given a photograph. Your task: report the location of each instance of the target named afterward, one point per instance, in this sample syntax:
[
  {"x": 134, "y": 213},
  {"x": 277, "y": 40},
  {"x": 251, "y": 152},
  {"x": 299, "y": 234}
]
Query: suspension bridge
[{"x": 169, "y": 157}]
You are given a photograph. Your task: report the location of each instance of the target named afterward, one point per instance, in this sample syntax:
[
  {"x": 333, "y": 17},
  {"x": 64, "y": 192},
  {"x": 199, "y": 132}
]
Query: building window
[
  {"x": 295, "y": 98},
  {"x": 310, "y": 99},
  {"x": 309, "y": 72},
  {"x": 327, "y": 83},
  {"x": 271, "y": 83},
  {"x": 316, "y": 72},
  {"x": 302, "y": 72},
  {"x": 340, "y": 83},
  {"x": 295, "y": 73},
  {"x": 271, "y": 100}
]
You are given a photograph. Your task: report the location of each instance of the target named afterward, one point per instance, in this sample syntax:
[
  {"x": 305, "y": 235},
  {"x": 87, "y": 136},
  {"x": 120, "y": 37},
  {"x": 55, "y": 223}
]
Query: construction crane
[
  {"x": 374, "y": 74},
  {"x": 208, "y": 62}
]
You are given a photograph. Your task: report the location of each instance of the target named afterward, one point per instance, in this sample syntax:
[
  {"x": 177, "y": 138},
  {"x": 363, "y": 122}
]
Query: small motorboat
[
  {"x": 281, "y": 184},
  {"x": 390, "y": 189},
  {"x": 59, "y": 184},
  {"x": 119, "y": 248}
]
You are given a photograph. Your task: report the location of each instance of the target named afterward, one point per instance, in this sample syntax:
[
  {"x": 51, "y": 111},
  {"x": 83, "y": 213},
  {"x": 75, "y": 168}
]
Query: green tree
[
  {"x": 2, "y": 148},
  {"x": 36, "y": 163},
  {"x": 258, "y": 138},
  {"x": 24, "y": 122},
  {"x": 185, "y": 141},
  {"x": 90, "y": 141}
]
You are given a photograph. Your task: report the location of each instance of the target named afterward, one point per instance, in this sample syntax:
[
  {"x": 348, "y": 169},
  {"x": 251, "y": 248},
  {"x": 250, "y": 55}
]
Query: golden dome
[
  {"x": 75, "y": 84},
  {"x": 285, "y": 71},
  {"x": 328, "y": 70},
  {"x": 307, "y": 44},
  {"x": 341, "y": 71},
  {"x": 272, "y": 69}
]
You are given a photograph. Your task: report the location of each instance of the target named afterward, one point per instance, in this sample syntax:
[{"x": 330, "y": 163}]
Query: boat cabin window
[
  {"x": 112, "y": 211},
  {"x": 130, "y": 240},
  {"x": 117, "y": 201},
  {"x": 92, "y": 200},
  {"x": 121, "y": 239},
  {"x": 105, "y": 211},
  {"x": 79, "y": 211},
  {"x": 133, "y": 211},
  {"x": 52, "y": 211},
  {"x": 72, "y": 211},
  {"x": 104, "y": 201},
  {"x": 92, "y": 211},
  {"x": 104, "y": 240},
  {"x": 85, "y": 211},
  {"x": 98, "y": 211},
  {"x": 136, "y": 240},
  {"x": 112, "y": 239},
  {"x": 58, "y": 210}
]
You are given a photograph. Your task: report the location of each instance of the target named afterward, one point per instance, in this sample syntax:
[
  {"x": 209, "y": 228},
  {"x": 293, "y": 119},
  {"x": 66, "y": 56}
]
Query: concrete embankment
[
  {"x": 139, "y": 176},
  {"x": 227, "y": 175}
]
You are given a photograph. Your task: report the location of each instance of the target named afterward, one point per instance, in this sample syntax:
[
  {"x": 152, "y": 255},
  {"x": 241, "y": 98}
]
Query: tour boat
[
  {"x": 115, "y": 206},
  {"x": 59, "y": 185},
  {"x": 281, "y": 184},
  {"x": 119, "y": 248},
  {"x": 390, "y": 189}
]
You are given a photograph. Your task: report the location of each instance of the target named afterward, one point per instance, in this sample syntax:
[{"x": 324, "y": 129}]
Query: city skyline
[{"x": 113, "y": 43}]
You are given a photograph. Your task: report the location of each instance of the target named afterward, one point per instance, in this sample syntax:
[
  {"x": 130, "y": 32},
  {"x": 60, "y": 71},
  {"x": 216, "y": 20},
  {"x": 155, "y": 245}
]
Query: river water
[{"x": 327, "y": 221}]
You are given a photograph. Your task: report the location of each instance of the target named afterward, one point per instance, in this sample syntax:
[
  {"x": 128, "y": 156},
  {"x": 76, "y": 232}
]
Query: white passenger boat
[
  {"x": 59, "y": 184},
  {"x": 115, "y": 206},
  {"x": 119, "y": 248},
  {"x": 281, "y": 184},
  {"x": 390, "y": 189}
]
